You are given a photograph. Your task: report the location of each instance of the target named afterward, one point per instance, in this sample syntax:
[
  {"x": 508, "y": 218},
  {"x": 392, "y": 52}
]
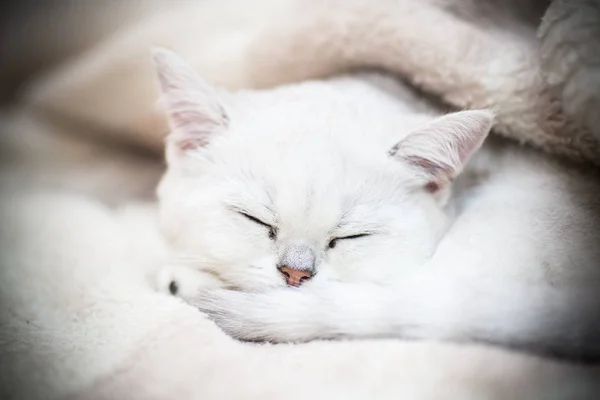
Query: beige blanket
[{"x": 543, "y": 81}]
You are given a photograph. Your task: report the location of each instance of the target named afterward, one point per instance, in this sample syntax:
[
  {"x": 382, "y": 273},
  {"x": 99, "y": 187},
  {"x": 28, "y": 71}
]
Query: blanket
[
  {"x": 542, "y": 80},
  {"x": 80, "y": 319},
  {"x": 80, "y": 315}
]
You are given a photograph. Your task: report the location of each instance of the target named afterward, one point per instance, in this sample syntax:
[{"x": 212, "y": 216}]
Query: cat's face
[{"x": 262, "y": 185}]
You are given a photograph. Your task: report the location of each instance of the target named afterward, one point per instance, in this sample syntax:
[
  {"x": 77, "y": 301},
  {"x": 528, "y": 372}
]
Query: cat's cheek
[
  {"x": 325, "y": 273},
  {"x": 336, "y": 268},
  {"x": 350, "y": 264},
  {"x": 371, "y": 262}
]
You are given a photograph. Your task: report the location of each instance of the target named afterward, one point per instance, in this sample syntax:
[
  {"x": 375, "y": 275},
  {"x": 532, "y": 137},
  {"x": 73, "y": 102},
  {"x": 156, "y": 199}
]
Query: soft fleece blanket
[
  {"x": 543, "y": 80},
  {"x": 79, "y": 314}
]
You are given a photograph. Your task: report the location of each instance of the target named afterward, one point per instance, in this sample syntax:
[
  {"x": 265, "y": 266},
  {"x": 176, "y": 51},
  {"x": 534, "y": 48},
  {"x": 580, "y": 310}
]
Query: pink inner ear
[
  {"x": 431, "y": 167},
  {"x": 432, "y": 186},
  {"x": 466, "y": 145},
  {"x": 193, "y": 107},
  {"x": 193, "y": 124},
  {"x": 189, "y": 144},
  {"x": 439, "y": 151},
  {"x": 437, "y": 171}
]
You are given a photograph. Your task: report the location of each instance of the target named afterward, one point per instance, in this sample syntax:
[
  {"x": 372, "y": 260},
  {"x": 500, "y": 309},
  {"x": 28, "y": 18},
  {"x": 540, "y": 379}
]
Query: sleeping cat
[{"x": 342, "y": 208}]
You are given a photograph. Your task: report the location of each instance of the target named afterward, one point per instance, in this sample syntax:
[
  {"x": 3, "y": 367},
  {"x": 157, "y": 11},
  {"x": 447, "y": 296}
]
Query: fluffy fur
[{"x": 359, "y": 178}]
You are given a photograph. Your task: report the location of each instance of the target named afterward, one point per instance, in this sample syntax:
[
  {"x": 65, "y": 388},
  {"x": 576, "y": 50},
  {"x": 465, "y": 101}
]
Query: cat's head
[{"x": 315, "y": 181}]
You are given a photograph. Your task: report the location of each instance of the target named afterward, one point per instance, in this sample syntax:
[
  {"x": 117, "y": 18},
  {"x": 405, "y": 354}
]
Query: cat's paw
[
  {"x": 184, "y": 281},
  {"x": 280, "y": 315}
]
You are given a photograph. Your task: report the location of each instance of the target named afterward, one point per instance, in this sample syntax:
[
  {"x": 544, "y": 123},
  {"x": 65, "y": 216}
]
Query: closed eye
[
  {"x": 272, "y": 230},
  {"x": 333, "y": 242}
]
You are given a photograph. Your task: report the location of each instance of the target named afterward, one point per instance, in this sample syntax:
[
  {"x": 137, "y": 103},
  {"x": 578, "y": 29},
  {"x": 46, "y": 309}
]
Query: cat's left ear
[
  {"x": 439, "y": 151},
  {"x": 194, "y": 107}
]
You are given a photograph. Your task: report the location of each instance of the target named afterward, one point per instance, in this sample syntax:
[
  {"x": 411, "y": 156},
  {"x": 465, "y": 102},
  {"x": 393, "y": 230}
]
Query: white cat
[{"x": 325, "y": 209}]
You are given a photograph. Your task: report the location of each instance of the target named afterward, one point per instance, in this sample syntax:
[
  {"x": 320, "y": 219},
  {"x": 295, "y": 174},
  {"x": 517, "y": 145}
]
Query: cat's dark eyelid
[
  {"x": 359, "y": 235},
  {"x": 254, "y": 219},
  {"x": 272, "y": 229},
  {"x": 333, "y": 241}
]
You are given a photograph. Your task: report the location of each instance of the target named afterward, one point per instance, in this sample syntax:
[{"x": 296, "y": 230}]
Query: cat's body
[{"x": 348, "y": 181}]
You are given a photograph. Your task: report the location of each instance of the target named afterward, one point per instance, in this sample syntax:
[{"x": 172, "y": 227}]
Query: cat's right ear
[
  {"x": 193, "y": 106},
  {"x": 438, "y": 152}
]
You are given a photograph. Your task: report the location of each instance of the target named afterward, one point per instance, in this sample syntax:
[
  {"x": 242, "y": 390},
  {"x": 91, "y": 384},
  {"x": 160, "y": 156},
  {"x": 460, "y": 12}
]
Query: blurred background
[
  {"x": 36, "y": 35},
  {"x": 39, "y": 150}
]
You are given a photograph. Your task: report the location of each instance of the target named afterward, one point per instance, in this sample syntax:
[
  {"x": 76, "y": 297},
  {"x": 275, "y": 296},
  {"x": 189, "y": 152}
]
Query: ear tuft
[
  {"x": 440, "y": 150},
  {"x": 193, "y": 106}
]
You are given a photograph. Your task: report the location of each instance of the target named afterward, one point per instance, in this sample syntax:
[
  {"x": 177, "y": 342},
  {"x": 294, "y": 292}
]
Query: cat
[{"x": 352, "y": 208}]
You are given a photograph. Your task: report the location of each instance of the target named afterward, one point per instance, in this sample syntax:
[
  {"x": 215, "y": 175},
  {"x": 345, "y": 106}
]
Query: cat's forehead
[
  {"x": 302, "y": 124},
  {"x": 313, "y": 184},
  {"x": 313, "y": 110},
  {"x": 315, "y": 155},
  {"x": 304, "y": 154}
]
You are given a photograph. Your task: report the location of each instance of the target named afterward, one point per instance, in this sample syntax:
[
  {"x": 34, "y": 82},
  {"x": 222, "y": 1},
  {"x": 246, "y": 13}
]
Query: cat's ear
[
  {"x": 194, "y": 107},
  {"x": 439, "y": 151}
]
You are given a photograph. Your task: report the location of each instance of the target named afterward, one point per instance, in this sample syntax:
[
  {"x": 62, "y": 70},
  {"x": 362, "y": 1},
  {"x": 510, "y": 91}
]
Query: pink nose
[{"x": 295, "y": 277}]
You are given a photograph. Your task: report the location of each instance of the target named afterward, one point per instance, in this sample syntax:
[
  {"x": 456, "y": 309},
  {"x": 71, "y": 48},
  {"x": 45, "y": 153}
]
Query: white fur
[{"x": 313, "y": 160}]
